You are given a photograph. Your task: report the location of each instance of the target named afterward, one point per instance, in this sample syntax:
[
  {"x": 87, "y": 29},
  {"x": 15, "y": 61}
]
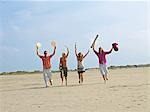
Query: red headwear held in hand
[{"x": 115, "y": 46}]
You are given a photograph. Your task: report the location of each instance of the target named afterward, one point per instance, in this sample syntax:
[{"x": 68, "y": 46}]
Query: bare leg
[
  {"x": 66, "y": 80},
  {"x": 104, "y": 79},
  {"x": 62, "y": 79},
  {"x": 79, "y": 77},
  {"x": 82, "y": 77},
  {"x": 65, "y": 74},
  {"x": 50, "y": 81}
]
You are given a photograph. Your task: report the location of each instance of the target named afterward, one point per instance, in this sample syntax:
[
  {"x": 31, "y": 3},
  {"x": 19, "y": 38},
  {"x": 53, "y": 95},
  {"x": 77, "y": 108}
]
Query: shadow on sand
[
  {"x": 5, "y": 90},
  {"x": 76, "y": 85},
  {"x": 124, "y": 86},
  {"x": 52, "y": 87}
]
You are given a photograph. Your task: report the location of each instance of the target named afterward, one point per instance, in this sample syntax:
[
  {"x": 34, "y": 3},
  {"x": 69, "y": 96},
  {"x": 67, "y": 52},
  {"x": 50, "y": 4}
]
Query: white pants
[
  {"x": 103, "y": 69},
  {"x": 47, "y": 75}
]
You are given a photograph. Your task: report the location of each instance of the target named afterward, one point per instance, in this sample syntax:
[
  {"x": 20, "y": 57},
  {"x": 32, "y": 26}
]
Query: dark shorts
[{"x": 64, "y": 71}]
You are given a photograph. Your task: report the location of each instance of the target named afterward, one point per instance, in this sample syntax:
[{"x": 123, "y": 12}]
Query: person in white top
[{"x": 80, "y": 67}]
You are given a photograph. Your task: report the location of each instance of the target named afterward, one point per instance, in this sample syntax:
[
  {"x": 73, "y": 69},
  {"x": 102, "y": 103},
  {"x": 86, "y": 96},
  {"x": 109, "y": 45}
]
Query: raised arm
[
  {"x": 60, "y": 63},
  {"x": 37, "y": 51},
  {"x": 76, "y": 50},
  {"x": 86, "y": 54},
  {"x": 67, "y": 52},
  {"x": 94, "y": 50},
  {"x": 53, "y": 52},
  {"x": 109, "y": 51}
]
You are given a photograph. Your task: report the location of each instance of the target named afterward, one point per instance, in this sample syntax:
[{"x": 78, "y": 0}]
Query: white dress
[{"x": 80, "y": 67}]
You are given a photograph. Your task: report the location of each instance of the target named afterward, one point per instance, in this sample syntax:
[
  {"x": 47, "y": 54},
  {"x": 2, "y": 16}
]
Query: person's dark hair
[
  {"x": 79, "y": 53},
  {"x": 45, "y": 52},
  {"x": 100, "y": 49}
]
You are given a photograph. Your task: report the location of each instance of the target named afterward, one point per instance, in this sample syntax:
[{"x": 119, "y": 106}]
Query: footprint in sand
[
  {"x": 115, "y": 89},
  {"x": 141, "y": 100},
  {"x": 133, "y": 100},
  {"x": 128, "y": 107}
]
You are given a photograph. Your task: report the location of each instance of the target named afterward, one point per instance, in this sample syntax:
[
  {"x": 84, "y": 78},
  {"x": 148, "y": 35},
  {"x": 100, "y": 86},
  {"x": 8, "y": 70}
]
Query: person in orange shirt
[
  {"x": 63, "y": 66},
  {"x": 46, "y": 59}
]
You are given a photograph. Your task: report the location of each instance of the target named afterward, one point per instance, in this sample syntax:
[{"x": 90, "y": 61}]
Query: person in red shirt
[
  {"x": 63, "y": 66},
  {"x": 46, "y": 60},
  {"x": 102, "y": 61}
]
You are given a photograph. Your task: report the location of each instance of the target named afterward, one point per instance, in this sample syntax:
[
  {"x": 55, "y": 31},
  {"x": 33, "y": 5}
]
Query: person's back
[
  {"x": 63, "y": 61},
  {"x": 46, "y": 65},
  {"x": 80, "y": 67},
  {"x": 63, "y": 66},
  {"x": 80, "y": 57},
  {"x": 102, "y": 61},
  {"x": 46, "y": 62},
  {"x": 102, "y": 55},
  {"x": 79, "y": 60}
]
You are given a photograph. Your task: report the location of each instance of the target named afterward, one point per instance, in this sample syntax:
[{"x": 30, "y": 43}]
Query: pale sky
[{"x": 24, "y": 23}]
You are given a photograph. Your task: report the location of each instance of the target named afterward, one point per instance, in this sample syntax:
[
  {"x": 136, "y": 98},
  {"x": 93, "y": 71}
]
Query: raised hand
[{"x": 75, "y": 46}]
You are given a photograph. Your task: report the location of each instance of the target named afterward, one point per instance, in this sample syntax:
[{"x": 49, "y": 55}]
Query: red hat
[{"x": 114, "y": 45}]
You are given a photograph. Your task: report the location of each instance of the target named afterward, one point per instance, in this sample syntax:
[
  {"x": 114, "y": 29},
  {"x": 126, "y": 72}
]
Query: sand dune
[{"x": 128, "y": 90}]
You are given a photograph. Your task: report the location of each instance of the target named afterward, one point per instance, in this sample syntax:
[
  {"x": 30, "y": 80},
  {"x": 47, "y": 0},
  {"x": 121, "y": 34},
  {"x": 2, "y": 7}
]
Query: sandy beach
[{"x": 128, "y": 90}]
